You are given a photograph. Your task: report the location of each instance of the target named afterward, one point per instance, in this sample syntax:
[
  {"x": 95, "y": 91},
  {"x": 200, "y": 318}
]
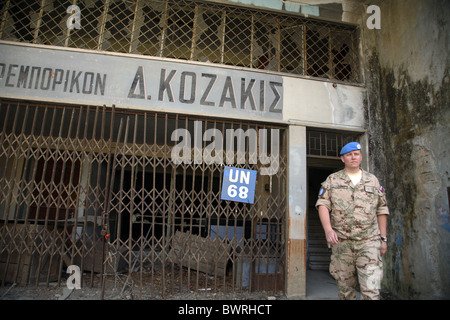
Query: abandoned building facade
[{"x": 175, "y": 144}]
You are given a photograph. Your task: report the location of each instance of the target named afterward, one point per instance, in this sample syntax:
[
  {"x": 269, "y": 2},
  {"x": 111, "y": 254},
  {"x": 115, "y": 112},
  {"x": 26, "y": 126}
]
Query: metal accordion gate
[{"x": 133, "y": 200}]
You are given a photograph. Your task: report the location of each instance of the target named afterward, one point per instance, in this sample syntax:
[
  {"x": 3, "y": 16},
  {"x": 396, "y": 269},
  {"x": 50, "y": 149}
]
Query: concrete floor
[{"x": 320, "y": 285}]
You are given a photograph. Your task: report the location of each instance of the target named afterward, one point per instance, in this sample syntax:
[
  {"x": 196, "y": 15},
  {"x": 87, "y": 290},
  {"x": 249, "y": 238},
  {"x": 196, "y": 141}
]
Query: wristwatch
[{"x": 384, "y": 239}]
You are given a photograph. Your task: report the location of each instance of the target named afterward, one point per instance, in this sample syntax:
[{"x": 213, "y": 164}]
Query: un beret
[{"x": 352, "y": 146}]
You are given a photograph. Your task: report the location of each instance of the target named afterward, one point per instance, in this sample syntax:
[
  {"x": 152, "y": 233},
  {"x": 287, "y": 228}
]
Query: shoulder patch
[
  {"x": 381, "y": 189},
  {"x": 321, "y": 191}
]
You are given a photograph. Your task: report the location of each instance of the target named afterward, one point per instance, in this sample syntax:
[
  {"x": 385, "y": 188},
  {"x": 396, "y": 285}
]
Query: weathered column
[{"x": 297, "y": 188}]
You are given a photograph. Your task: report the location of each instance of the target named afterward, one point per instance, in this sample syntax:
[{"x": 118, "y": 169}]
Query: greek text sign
[
  {"x": 238, "y": 185},
  {"x": 69, "y": 76}
]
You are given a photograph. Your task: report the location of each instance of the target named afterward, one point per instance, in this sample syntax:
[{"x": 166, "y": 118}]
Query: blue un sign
[{"x": 238, "y": 185}]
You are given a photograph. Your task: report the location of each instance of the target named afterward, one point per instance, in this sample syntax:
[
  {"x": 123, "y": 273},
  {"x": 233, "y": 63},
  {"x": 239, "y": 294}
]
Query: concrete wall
[{"x": 408, "y": 117}]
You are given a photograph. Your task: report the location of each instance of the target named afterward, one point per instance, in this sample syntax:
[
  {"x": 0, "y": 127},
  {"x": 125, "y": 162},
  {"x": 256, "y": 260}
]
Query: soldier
[{"x": 356, "y": 228}]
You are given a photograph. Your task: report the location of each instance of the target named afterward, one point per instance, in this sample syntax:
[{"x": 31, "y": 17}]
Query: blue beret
[{"x": 352, "y": 146}]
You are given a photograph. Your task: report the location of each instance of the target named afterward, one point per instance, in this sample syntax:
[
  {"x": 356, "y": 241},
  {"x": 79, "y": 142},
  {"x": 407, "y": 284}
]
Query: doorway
[
  {"x": 318, "y": 253},
  {"x": 322, "y": 160}
]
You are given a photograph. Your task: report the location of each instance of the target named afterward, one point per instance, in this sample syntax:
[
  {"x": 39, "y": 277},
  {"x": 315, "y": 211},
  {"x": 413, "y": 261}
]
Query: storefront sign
[
  {"x": 238, "y": 185},
  {"x": 74, "y": 76}
]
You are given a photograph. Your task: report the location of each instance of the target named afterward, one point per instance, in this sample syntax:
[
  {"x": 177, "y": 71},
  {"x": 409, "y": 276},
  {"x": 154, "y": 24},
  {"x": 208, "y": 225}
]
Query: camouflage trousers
[{"x": 357, "y": 261}]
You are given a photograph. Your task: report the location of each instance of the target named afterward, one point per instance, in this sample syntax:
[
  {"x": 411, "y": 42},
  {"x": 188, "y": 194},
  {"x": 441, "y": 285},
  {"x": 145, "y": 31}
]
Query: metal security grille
[
  {"x": 322, "y": 144},
  {"x": 190, "y": 30},
  {"x": 102, "y": 190}
]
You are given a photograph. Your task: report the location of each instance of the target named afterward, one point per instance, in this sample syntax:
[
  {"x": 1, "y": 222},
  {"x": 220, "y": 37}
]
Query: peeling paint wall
[
  {"x": 319, "y": 103},
  {"x": 408, "y": 118}
]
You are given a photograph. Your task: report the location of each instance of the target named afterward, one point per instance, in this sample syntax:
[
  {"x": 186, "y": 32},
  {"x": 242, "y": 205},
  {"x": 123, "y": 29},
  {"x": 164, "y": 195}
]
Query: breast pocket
[
  {"x": 341, "y": 197},
  {"x": 366, "y": 199}
]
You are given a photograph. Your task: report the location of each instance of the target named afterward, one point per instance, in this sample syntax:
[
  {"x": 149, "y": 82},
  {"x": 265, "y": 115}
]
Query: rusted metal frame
[
  {"x": 146, "y": 243},
  {"x": 194, "y": 32},
  {"x": 65, "y": 231},
  {"x": 244, "y": 244},
  {"x": 221, "y": 169},
  {"x": 222, "y": 45},
  {"x": 13, "y": 232},
  {"x": 4, "y": 17},
  {"x": 201, "y": 212},
  {"x": 120, "y": 195},
  {"x": 5, "y": 186},
  {"x": 60, "y": 154},
  {"x": 330, "y": 55},
  {"x": 252, "y": 36},
  {"x": 54, "y": 233},
  {"x": 355, "y": 75},
  {"x": 274, "y": 222},
  {"x": 165, "y": 19},
  {"x": 27, "y": 156},
  {"x": 3, "y": 138},
  {"x": 39, "y": 21},
  {"x": 153, "y": 207},
  {"x": 132, "y": 191},
  {"x": 121, "y": 164},
  {"x": 31, "y": 245},
  {"x": 112, "y": 197},
  {"x": 11, "y": 139},
  {"x": 135, "y": 166},
  {"x": 182, "y": 207},
  {"x": 7, "y": 206},
  {"x": 277, "y": 245},
  {"x": 282, "y": 177},
  {"x": 76, "y": 156},
  {"x": 36, "y": 218},
  {"x": 279, "y": 45},
  {"x": 50, "y": 191},
  {"x": 69, "y": 30},
  {"x": 100, "y": 160},
  {"x": 229, "y": 210},
  {"x": 261, "y": 256},
  {"x": 82, "y": 237},
  {"x": 209, "y": 208},
  {"x": 73, "y": 233},
  {"x": 9, "y": 153},
  {"x": 107, "y": 191},
  {"x": 247, "y": 212},
  {"x": 24, "y": 243},
  {"x": 134, "y": 29},
  {"x": 205, "y": 215},
  {"x": 83, "y": 234},
  {"x": 305, "y": 51},
  {"x": 111, "y": 165},
  {"x": 89, "y": 156},
  {"x": 142, "y": 239},
  {"x": 171, "y": 209},
  {"x": 192, "y": 210},
  {"x": 102, "y": 25},
  {"x": 165, "y": 218}
]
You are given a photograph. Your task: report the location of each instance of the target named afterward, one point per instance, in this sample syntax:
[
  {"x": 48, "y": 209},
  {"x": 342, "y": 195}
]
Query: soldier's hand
[
  {"x": 331, "y": 237},
  {"x": 383, "y": 248}
]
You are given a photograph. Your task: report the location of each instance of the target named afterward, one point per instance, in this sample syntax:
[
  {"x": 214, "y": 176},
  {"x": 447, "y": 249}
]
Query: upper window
[{"x": 190, "y": 30}]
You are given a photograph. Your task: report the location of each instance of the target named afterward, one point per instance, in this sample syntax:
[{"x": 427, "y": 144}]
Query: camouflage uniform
[{"x": 354, "y": 211}]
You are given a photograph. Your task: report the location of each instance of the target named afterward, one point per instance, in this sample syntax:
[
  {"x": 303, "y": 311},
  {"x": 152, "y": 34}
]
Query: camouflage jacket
[{"x": 353, "y": 208}]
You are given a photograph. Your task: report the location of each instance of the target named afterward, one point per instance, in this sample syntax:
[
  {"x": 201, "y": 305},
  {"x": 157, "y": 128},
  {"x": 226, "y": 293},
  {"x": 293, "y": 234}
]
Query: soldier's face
[{"x": 352, "y": 159}]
